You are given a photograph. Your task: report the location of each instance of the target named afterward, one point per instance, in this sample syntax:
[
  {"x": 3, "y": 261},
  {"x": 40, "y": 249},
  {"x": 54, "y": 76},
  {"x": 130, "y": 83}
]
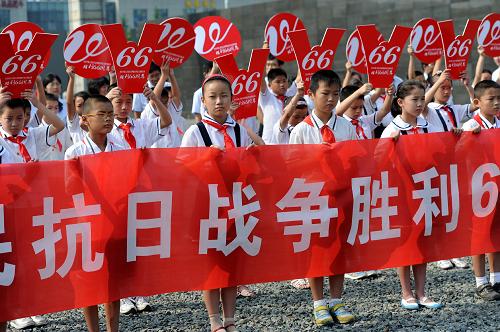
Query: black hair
[
  {"x": 13, "y": 103},
  {"x": 95, "y": 85},
  {"x": 52, "y": 97},
  {"x": 165, "y": 91},
  {"x": 50, "y": 78},
  {"x": 418, "y": 73},
  {"x": 274, "y": 73},
  {"x": 82, "y": 94},
  {"x": 272, "y": 58},
  {"x": 91, "y": 102},
  {"x": 487, "y": 71},
  {"x": 325, "y": 75},
  {"x": 216, "y": 78},
  {"x": 26, "y": 104},
  {"x": 207, "y": 67},
  {"x": 481, "y": 87},
  {"x": 349, "y": 90},
  {"x": 404, "y": 90},
  {"x": 154, "y": 67}
]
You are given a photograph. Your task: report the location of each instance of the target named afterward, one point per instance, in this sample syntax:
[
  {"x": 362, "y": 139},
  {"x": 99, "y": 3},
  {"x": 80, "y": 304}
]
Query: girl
[
  {"x": 410, "y": 102},
  {"x": 217, "y": 129}
]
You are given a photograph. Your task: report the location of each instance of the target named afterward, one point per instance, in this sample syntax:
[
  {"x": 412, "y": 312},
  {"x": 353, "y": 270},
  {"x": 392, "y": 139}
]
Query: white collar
[
  {"x": 402, "y": 125},
  {"x": 319, "y": 124},
  {"x": 488, "y": 124},
  {"x": 95, "y": 149},
  {"x": 6, "y": 134},
  {"x": 129, "y": 120},
  {"x": 229, "y": 120}
]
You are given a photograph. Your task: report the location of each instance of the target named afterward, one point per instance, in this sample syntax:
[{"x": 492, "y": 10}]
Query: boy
[
  {"x": 323, "y": 126},
  {"x": 74, "y": 105},
  {"x": 97, "y": 116},
  {"x": 487, "y": 98}
]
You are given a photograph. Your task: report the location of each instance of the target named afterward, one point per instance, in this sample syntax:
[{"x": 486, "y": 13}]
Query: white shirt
[
  {"x": 495, "y": 75},
  {"x": 436, "y": 115},
  {"x": 281, "y": 136},
  {"x": 304, "y": 133},
  {"x": 57, "y": 150},
  {"x": 172, "y": 137},
  {"x": 75, "y": 131},
  {"x": 192, "y": 137},
  {"x": 37, "y": 141},
  {"x": 197, "y": 107},
  {"x": 367, "y": 122},
  {"x": 6, "y": 156},
  {"x": 175, "y": 113},
  {"x": 86, "y": 146},
  {"x": 473, "y": 124},
  {"x": 398, "y": 124},
  {"x": 145, "y": 131},
  {"x": 139, "y": 100},
  {"x": 272, "y": 109}
]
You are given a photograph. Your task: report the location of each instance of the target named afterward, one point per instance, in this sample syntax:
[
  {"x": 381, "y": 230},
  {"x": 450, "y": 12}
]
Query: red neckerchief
[{"x": 228, "y": 141}]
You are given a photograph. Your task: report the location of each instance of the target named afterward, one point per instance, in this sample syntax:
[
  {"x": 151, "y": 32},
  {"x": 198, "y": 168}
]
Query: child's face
[
  {"x": 298, "y": 116},
  {"x": 52, "y": 106},
  {"x": 27, "y": 116},
  {"x": 489, "y": 102},
  {"x": 326, "y": 97},
  {"x": 154, "y": 77},
  {"x": 444, "y": 92},
  {"x": 122, "y": 106},
  {"x": 279, "y": 85},
  {"x": 103, "y": 90},
  {"x": 54, "y": 87},
  {"x": 217, "y": 99},
  {"x": 356, "y": 109},
  {"x": 79, "y": 101},
  {"x": 413, "y": 104},
  {"x": 99, "y": 120},
  {"x": 12, "y": 120},
  {"x": 272, "y": 64}
]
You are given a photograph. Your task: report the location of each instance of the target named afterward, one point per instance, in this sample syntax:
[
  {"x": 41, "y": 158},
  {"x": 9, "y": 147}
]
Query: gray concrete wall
[{"x": 318, "y": 15}]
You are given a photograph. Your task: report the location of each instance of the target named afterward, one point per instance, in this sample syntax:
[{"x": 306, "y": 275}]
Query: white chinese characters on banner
[
  {"x": 9, "y": 270},
  {"x": 365, "y": 199},
  {"x": 51, "y": 237},
  {"x": 428, "y": 208},
  {"x": 306, "y": 214},
  {"x": 163, "y": 223},
  {"x": 238, "y": 213}
]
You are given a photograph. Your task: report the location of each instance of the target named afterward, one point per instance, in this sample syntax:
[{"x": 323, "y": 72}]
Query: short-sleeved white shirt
[
  {"x": 367, "y": 122},
  {"x": 192, "y": 137},
  {"x": 6, "y": 156},
  {"x": 473, "y": 124},
  {"x": 437, "y": 115},
  {"x": 75, "y": 131},
  {"x": 175, "y": 113},
  {"x": 197, "y": 107},
  {"x": 281, "y": 136},
  {"x": 398, "y": 124},
  {"x": 57, "y": 150},
  {"x": 272, "y": 109},
  {"x": 37, "y": 141},
  {"x": 304, "y": 133},
  {"x": 145, "y": 131},
  {"x": 139, "y": 100},
  {"x": 86, "y": 146}
]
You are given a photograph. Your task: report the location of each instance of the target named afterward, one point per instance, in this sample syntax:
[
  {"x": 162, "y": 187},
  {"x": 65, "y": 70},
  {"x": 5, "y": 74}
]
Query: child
[
  {"x": 481, "y": 74},
  {"x": 98, "y": 86},
  {"x": 323, "y": 126},
  {"x": 52, "y": 84},
  {"x": 410, "y": 101},
  {"x": 219, "y": 130},
  {"x": 139, "y": 101},
  {"x": 209, "y": 68},
  {"x": 97, "y": 116},
  {"x": 487, "y": 98},
  {"x": 74, "y": 105},
  {"x": 294, "y": 113}
]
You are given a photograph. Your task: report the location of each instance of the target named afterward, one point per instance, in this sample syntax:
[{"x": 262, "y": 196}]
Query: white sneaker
[
  {"x": 39, "y": 320},
  {"x": 459, "y": 263},
  {"x": 355, "y": 275},
  {"x": 22, "y": 323},
  {"x": 127, "y": 306},
  {"x": 444, "y": 264},
  {"x": 142, "y": 304}
]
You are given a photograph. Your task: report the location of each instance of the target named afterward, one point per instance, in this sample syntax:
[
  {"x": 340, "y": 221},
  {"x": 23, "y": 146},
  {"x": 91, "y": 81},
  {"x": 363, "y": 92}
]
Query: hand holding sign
[
  {"x": 132, "y": 60},
  {"x": 176, "y": 42},
  {"x": 216, "y": 36},
  {"x": 87, "y": 51},
  {"x": 318, "y": 57},
  {"x": 457, "y": 48},
  {"x": 488, "y": 35},
  {"x": 382, "y": 57},
  {"x": 20, "y": 69},
  {"x": 276, "y": 35},
  {"x": 425, "y": 40},
  {"x": 245, "y": 83}
]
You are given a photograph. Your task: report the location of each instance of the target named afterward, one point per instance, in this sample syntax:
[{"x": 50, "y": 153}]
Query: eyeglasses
[{"x": 110, "y": 115}]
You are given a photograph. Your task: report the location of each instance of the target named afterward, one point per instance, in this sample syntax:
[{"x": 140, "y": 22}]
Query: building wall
[
  {"x": 317, "y": 15},
  {"x": 11, "y": 12}
]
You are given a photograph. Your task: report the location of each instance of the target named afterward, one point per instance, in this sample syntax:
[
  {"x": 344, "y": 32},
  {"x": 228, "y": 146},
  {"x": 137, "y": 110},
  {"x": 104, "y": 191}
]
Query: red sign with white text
[
  {"x": 382, "y": 57},
  {"x": 312, "y": 59},
  {"x": 355, "y": 53},
  {"x": 176, "y": 42},
  {"x": 457, "y": 48},
  {"x": 216, "y": 36},
  {"x": 20, "y": 69},
  {"x": 109, "y": 226},
  {"x": 87, "y": 51},
  {"x": 488, "y": 34},
  {"x": 132, "y": 60},
  {"x": 21, "y": 34},
  {"x": 245, "y": 83},
  {"x": 425, "y": 40},
  {"x": 276, "y": 34}
]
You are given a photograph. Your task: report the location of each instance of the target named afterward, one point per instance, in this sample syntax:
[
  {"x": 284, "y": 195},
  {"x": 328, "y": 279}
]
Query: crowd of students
[{"x": 42, "y": 126}]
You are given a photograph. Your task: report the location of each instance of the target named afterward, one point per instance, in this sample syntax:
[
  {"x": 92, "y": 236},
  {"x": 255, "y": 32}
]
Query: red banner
[
  {"x": 88, "y": 229},
  {"x": 312, "y": 59},
  {"x": 245, "y": 83}
]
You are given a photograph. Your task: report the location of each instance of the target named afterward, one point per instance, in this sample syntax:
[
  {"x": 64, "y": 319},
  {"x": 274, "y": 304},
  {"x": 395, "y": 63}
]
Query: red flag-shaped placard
[
  {"x": 382, "y": 57},
  {"x": 457, "y": 48},
  {"x": 312, "y": 59},
  {"x": 488, "y": 35},
  {"x": 21, "y": 34},
  {"x": 355, "y": 54},
  {"x": 276, "y": 34},
  {"x": 87, "y": 51},
  {"x": 425, "y": 40},
  {"x": 245, "y": 83},
  {"x": 20, "y": 69},
  {"x": 216, "y": 36},
  {"x": 176, "y": 42},
  {"x": 132, "y": 60}
]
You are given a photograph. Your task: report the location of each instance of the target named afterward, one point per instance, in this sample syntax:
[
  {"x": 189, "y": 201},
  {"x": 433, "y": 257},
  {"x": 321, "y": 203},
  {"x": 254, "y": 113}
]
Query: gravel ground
[{"x": 279, "y": 307}]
